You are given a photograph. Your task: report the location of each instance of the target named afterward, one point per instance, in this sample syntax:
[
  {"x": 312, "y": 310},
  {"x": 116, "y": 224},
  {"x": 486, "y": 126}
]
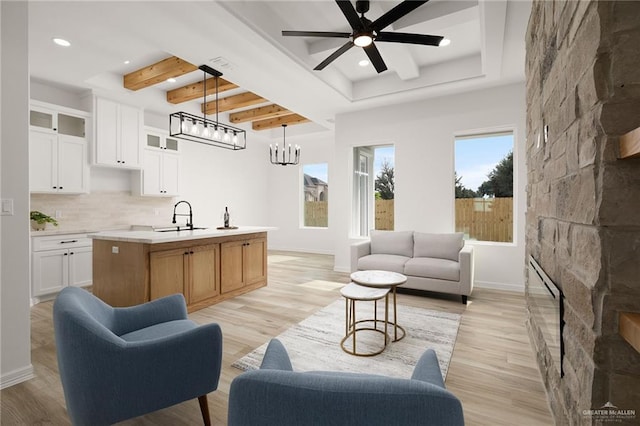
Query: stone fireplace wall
[{"x": 583, "y": 204}]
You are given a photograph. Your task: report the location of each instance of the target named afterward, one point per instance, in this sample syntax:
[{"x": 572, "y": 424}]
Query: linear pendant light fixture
[
  {"x": 203, "y": 130},
  {"x": 288, "y": 158}
]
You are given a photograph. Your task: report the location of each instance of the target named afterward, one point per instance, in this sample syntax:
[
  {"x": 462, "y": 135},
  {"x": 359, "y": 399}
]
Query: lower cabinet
[
  {"x": 243, "y": 263},
  {"x": 60, "y": 261},
  {"x": 192, "y": 271}
]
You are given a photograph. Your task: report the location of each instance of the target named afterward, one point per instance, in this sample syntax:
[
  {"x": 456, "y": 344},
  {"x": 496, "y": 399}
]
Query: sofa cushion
[
  {"x": 385, "y": 262},
  {"x": 442, "y": 246},
  {"x": 399, "y": 243},
  {"x": 429, "y": 267}
]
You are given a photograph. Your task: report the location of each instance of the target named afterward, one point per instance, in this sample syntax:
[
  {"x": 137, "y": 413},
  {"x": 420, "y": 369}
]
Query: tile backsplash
[{"x": 101, "y": 210}]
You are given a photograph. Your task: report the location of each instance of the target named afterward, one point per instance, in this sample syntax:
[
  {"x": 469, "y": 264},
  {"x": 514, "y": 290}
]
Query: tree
[
  {"x": 461, "y": 190},
  {"x": 500, "y": 182},
  {"x": 384, "y": 182}
]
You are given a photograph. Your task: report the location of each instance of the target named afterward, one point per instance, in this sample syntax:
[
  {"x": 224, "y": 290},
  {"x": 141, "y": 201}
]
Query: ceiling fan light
[{"x": 363, "y": 40}]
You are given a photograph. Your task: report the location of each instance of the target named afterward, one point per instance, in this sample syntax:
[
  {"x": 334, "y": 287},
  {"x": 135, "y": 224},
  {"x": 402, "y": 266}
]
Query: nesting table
[{"x": 371, "y": 286}]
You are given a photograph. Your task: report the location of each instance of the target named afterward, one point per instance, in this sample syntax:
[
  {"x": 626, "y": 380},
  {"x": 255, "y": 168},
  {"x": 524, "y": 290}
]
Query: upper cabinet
[
  {"x": 57, "y": 150},
  {"x": 49, "y": 119},
  {"x": 160, "y": 173},
  {"x": 118, "y": 132}
]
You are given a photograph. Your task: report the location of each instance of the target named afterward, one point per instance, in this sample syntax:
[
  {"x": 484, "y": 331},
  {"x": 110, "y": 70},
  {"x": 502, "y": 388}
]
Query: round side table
[
  {"x": 383, "y": 280},
  {"x": 353, "y": 293}
]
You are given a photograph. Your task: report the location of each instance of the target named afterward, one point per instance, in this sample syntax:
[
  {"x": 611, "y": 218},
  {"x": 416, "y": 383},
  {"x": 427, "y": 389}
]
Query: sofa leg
[
  {"x": 204, "y": 408},
  {"x": 464, "y": 300}
]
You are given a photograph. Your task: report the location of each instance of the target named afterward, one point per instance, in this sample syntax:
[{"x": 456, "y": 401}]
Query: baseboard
[
  {"x": 499, "y": 286},
  {"x": 302, "y": 250},
  {"x": 17, "y": 376}
]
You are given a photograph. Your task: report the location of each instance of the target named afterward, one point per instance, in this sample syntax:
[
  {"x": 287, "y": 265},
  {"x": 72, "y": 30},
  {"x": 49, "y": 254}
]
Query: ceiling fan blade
[
  {"x": 315, "y": 34},
  {"x": 350, "y": 13},
  {"x": 374, "y": 56},
  {"x": 429, "y": 40},
  {"x": 348, "y": 45},
  {"x": 396, "y": 13}
]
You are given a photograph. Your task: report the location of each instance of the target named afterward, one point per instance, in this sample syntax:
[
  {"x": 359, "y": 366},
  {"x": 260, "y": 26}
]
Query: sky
[
  {"x": 476, "y": 157},
  {"x": 319, "y": 171}
]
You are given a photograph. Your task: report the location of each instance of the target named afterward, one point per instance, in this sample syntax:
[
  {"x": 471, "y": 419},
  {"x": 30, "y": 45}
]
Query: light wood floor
[{"x": 492, "y": 370}]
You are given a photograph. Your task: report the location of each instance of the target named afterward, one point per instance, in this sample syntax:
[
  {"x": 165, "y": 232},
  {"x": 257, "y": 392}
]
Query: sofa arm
[
  {"x": 276, "y": 357},
  {"x": 359, "y": 250},
  {"x": 465, "y": 257},
  {"x": 428, "y": 369}
]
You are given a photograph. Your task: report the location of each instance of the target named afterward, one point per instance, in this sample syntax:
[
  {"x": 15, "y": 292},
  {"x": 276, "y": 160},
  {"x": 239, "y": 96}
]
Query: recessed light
[
  {"x": 171, "y": 80},
  {"x": 445, "y": 42},
  {"x": 363, "y": 63},
  {"x": 61, "y": 42},
  {"x": 127, "y": 62}
]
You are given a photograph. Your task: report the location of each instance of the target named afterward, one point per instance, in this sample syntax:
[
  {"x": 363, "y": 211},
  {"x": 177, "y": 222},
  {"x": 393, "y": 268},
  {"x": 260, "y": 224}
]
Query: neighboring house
[{"x": 315, "y": 189}]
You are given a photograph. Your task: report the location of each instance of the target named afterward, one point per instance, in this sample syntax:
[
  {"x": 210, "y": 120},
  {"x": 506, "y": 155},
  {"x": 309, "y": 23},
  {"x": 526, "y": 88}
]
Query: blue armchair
[
  {"x": 119, "y": 363},
  {"x": 276, "y": 395}
]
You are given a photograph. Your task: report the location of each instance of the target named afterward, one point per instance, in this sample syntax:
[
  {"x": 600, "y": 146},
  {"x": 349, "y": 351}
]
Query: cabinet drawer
[{"x": 54, "y": 242}]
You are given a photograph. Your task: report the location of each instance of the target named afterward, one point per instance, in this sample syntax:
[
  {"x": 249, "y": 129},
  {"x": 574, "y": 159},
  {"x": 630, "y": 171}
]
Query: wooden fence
[
  {"x": 384, "y": 215},
  {"x": 489, "y": 219},
  {"x": 316, "y": 213},
  {"x": 481, "y": 219}
]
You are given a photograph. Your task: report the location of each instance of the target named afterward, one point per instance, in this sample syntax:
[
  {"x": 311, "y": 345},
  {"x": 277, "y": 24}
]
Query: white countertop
[{"x": 154, "y": 237}]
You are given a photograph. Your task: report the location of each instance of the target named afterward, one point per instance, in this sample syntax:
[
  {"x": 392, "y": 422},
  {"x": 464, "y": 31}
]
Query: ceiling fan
[{"x": 365, "y": 32}]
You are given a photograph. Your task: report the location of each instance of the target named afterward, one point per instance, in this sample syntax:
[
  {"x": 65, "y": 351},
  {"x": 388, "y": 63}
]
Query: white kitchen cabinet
[
  {"x": 118, "y": 130},
  {"x": 60, "y": 261},
  {"x": 55, "y": 119},
  {"x": 160, "y": 175},
  {"x": 57, "y": 150},
  {"x": 57, "y": 163}
]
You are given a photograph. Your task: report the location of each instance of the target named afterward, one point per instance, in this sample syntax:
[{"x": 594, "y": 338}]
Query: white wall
[
  {"x": 423, "y": 134},
  {"x": 285, "y": 197},
  {"x": 15, "y": 347},
  {"x": 212, "y": 178}
]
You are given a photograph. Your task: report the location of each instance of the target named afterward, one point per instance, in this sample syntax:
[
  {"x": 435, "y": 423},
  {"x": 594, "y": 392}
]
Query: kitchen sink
[{"x": 177, "y": 229}]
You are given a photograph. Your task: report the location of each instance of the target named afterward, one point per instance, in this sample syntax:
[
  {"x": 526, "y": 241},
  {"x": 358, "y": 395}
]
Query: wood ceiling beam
[
  {"x": 259, "y": 113},
  {"x": 232, "y": 102},
  {"x": 157, "y": 73},
  {"x": 271, "y": 123},
  {"x": 194, "y": 91}
]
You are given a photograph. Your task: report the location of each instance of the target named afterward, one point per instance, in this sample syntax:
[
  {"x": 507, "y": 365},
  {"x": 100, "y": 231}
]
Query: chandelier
[
  {"x": 203, "y": 130},
  {"x": 288, "y": 158}
]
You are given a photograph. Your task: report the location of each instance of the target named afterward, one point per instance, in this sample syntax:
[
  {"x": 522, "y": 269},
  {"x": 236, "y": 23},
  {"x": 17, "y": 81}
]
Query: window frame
[
  {"x": 478, "y": 133},
  {"x": 302, "y": 199}
]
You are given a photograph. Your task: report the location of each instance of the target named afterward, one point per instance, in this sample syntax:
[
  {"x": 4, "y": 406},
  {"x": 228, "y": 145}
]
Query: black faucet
[{"x": 190, "y": 221}]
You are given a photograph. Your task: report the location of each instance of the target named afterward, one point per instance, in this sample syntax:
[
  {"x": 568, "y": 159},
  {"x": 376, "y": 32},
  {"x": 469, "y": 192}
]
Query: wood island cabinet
[
  {"x": 192, "y": 271},
  {"x": 243, "y": 263},
  {"x": 205, "y": 271}
]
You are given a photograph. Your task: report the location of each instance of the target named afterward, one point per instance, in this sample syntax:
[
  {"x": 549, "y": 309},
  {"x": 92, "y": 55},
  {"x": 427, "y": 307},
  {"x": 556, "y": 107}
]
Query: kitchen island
[{"x": 206, "y": 265}]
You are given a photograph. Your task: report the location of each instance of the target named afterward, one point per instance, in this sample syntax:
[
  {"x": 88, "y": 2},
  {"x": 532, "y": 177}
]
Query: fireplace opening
[{"x": 547, "y": 308}]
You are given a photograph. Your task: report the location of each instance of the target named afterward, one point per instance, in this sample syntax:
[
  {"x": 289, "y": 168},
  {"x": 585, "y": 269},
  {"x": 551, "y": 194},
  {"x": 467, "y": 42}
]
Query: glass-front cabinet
[{"x": 51, "y": 120}]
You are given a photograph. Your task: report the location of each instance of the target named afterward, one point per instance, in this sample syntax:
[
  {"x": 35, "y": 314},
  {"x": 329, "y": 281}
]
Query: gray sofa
[
  {"x": 432, "y": 262},
  {"x": 277, "y": 395}
]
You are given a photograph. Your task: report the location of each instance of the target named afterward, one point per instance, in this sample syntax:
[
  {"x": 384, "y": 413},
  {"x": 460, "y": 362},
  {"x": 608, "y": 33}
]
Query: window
[
  {"x": 484, "y": 186},
  {"x": 373, "y": 189},
  {"x": 315, "y": 195}
]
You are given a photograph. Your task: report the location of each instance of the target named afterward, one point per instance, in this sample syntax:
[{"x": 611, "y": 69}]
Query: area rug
[{"x": 314, "y": 343}]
